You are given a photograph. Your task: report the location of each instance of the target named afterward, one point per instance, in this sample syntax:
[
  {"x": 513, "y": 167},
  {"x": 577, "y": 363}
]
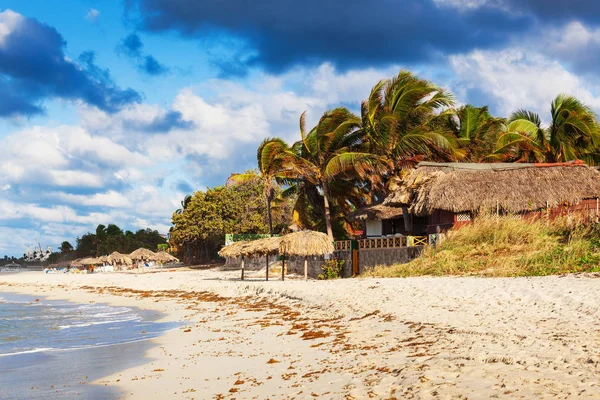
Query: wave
[
  {"x": 90, "y": 346},
  {"x": 82, "y": 325}
]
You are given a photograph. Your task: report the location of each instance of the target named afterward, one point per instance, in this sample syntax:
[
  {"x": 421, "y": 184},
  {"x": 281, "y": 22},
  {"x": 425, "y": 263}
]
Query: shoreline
[{"x": 353, "y": 338}]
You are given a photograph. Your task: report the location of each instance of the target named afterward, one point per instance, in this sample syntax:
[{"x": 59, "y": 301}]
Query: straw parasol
[
  {"x": 77, "y": 263},
  {"x": 104, "y": 260},
  {"x": 261, "y": 247},
  {"x": 142, "y": 254},
  {"x": 233, "y": 250},
  {"x": 164, "y": 257},
  {"x": 305, "y": 244},
  {"x": 117, "y": 258}
]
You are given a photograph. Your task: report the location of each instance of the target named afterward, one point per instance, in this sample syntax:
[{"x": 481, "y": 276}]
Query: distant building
[{"x": 37, "y": 254}]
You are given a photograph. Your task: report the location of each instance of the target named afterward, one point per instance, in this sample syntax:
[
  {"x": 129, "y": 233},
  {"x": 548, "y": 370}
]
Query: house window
[{"x": 465, "y": 216}]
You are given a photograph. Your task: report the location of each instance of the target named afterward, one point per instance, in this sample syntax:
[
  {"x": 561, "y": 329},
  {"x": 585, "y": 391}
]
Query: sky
[{"x": 112, "y": 111}]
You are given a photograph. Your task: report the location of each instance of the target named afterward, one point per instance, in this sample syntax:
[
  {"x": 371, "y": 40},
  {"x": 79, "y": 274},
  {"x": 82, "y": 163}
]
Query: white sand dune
[{"x": 353, "y": 338}]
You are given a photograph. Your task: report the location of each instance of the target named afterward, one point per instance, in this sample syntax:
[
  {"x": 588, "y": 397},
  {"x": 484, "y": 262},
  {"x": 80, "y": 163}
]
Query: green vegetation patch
[{"x": 507, "y": 247}]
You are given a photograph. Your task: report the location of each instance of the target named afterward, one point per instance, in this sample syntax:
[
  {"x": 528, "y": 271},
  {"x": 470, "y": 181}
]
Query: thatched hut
[
  {"x": 380, "y": 219},
  {"x": 305, "y": 244},
  {"x": 76, "y": 263},
  {"x": 438, "y": 196}
]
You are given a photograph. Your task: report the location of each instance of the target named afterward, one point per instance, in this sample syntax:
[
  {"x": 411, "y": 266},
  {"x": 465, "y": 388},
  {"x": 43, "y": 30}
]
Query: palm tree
[
  {"x": 476, "y": 130},
  {"x": 273, "y": 157},
  {"x": 399, "y": 120},
  {"x": 333, "y": 149},
  {"x": 573, "y": 133},
  {"x": 184, "y": 203}
]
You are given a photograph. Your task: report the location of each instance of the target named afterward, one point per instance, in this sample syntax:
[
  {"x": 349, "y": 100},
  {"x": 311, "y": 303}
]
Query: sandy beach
[{"x": 352, "y": 338}]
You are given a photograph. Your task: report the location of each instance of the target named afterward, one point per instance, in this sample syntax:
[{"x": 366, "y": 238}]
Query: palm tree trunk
[
  {"x": 327, "y": 213},
  {"x": 269, "y": 216}
]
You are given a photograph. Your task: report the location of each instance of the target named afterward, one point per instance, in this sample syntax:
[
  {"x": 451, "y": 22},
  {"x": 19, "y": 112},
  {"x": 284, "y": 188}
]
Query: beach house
[{"x": 435, "y": 197}]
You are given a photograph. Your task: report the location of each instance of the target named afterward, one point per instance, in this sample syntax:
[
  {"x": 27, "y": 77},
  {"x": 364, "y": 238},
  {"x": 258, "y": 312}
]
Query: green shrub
[{"x": 332, "y": 269}]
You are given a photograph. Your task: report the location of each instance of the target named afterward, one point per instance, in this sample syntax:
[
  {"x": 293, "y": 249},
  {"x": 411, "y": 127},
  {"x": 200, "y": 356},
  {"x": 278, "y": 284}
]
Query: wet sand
[{"x": 353, "y": 338}]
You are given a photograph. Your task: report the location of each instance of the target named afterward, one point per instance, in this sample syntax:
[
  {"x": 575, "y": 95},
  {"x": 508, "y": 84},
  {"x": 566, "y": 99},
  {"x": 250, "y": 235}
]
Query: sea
[{"x": 54, "y": 349}]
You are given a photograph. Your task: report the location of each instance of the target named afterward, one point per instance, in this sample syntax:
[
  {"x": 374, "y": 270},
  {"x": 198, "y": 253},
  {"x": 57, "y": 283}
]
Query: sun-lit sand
[{"x": 352, "y": 338}]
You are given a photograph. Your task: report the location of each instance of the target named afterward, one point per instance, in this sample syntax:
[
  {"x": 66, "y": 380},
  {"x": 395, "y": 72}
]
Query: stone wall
[
  {"x": 295, "y": 265},
  {"x": 250, "y": 264},
  {"x": 371, "y": 257}
]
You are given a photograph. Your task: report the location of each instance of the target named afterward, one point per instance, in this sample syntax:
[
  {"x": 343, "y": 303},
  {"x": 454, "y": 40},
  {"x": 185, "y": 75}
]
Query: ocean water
[{"x": 53, "y": 349}]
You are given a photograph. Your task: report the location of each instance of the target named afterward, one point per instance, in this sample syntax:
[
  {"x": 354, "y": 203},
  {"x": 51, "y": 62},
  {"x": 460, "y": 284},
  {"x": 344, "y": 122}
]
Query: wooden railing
[
  {"x": 382, "y": 243},
  {"x": 343, "y": 245},
  {"x": 392, "y": 242}
]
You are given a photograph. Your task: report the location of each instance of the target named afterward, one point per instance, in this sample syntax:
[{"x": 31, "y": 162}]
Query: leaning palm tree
[
  {"x": 573, "y": 133},
  {"x": 273, "y": 159},
  {"x": 333, "y": 149}
]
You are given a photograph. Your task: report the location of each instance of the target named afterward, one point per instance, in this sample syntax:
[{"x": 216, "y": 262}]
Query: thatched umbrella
[
  {"x": 305, "y": 244},
  {"x": 76, "y": 263},
  {"x": 233, "y": 250},
  {"x": 164, "y": 257},
  {"x": 143, "y": 254},
  {"x": 262, "y": 247},
  {"x": 117, "y": 258},
  {"x": 104, "y": 259}
]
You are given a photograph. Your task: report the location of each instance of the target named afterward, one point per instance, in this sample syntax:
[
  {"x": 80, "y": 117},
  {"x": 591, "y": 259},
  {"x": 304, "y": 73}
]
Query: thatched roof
[
  {"x": 117, "y": 258},
  {"x": 77, "y": 263},
  {"x": 377, "y": 211},
  {"x": 306, "y": 243},
  {"x": 165, "y": 257},
  {"x": 233, "y": 250},
  {"x": 90, "y": 261},
  {"x": 104, "y": 259},
  {"x": 459, "y": 187},
  {"x": 261, "y": 247},
  {"x": 142, "y": 254}
]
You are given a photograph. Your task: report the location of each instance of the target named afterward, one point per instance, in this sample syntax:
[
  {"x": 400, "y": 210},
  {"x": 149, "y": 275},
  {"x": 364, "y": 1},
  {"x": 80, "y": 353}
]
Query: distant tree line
[{"x": 107, "y": 239}]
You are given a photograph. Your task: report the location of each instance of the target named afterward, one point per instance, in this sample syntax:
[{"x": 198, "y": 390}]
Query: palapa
[
  {"x": 164, "y": 257},
  {"x": 261, "y": 247},
  {"x": 233, "y": 250},
  {"x": 117, "y": 258},
  {"x": 76, "y": 263},
  {"x": 305, "y": 244},
  {"x": 143, "y": 254},
  {"x": 513, "y": 188}
]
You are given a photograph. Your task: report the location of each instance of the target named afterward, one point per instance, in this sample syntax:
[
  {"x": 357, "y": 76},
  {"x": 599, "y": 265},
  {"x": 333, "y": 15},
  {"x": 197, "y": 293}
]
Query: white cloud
[
  {"x": 92, "y": 15},
  {"x": 9, "y": 21},
  {"x": 516, "y": 78}
]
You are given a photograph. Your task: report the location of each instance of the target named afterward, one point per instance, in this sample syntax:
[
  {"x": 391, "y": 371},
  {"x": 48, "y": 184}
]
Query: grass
[{"x": 507, "y": 247}]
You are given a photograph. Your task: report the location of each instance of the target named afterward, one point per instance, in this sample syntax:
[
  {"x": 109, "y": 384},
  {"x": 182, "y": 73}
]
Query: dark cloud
[
  {"x": 351, "y": 33},
  {"x": 184, "y": 186},
  {"x": 169, "y": 121},
  {"x": 151, "y": 66},
  {"x": 33, "y": 67},
  {"x": 132, "y": 47},
  {"x": 557, "y": 10}
]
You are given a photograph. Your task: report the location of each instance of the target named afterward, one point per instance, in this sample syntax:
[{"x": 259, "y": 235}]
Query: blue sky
[{"x": 111, "y": 111}]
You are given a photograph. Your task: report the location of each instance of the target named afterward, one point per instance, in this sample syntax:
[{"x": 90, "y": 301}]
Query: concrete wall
[
  {"x": 250, "y": 264},
  {"x": 371, "y": 257}
]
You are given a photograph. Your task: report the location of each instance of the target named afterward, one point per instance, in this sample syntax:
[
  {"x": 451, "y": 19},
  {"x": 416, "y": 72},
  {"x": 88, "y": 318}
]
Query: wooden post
[
  {"x": 242, "y": 267},
  {"x": 305, "y": 269},
  {"x": 283, "y": 267},
  {"x": 267, "y": 267}
]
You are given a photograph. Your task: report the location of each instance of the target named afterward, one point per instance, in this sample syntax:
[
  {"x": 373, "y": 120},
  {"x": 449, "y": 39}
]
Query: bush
[{"x": 332, "y": 269}]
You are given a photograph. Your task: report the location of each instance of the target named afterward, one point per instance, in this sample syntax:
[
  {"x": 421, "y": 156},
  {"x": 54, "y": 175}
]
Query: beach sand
[{"x": 352, "y": 338}]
